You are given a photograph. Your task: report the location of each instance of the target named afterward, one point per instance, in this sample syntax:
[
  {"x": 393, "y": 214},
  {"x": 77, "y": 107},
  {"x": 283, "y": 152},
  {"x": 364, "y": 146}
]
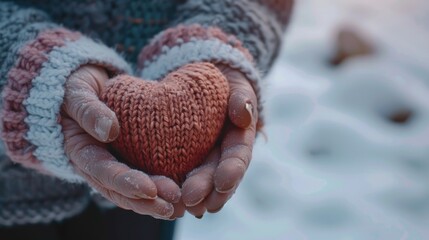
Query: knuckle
[
  {"x": 84, "y": 108},
  {"x": 95, "y": 177},
  {"x": 108, "y": 195},
  {"x": 79, "y": 105},
  {"x": 108, "y": 176},
  {"x": 117, "y": 180},
  {"x": 236, "y": 164},
  {"x": 243, "y": 89},
  {"x": 74, "y": 141},
  {"x": 240, "y": 152},
  {"x": 75, "y": 145},
  {"x": 119, "y": 200},
  {"x": 239, "y": 96}
]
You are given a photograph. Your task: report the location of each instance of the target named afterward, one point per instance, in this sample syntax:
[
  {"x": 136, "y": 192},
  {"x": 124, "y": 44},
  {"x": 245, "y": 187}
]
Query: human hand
[
  {"x": 88, "y": 124},
  {"x": 211, "y": 185}
]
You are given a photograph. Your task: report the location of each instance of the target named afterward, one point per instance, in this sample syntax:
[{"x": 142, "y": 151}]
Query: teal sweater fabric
[{"x": 43, "y": 41}]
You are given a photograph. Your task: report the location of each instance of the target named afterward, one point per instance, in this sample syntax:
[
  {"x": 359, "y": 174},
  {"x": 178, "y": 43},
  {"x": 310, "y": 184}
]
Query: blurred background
[{"x": 347, "y": 149}]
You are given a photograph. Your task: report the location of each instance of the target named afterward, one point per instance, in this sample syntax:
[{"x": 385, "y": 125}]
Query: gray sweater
[{"x": 43, "y": 41}]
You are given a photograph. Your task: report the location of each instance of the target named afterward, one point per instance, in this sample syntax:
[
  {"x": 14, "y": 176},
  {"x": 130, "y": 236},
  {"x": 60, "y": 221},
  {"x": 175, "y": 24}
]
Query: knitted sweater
[{"x": 43, "y": 41}]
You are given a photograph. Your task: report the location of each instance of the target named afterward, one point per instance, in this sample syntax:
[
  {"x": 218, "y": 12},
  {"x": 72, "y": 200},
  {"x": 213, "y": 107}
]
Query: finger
[
  {"x": 167, "y": 189},
  {"x": 199, "y": 182},
  {"x": 94, "y": 159},
  {"x": 240, "y": 110},
  {"x": 157, "y": 208},
  {"x": 198, "y": 210},
  {"x": 179, "y": 210},
  {"x": 236, "y": 153},
  {"x": 100, "y": 164},
  {"x": 215, "y": 201},
  {"x": 82, "y": 104},
  {"x": 242, "y": 101},
  {"x": 197, "y": 187}
]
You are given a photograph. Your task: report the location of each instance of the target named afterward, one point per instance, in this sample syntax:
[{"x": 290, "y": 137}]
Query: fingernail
[
  {"x": 144, "y": 196},
  {"x": 176, "y": 197},
  {"x": 102, "y": 128},
  {"x": 225, "y": 191},
  {"x": 167, "y": 211},
  {"x": 114, "y": 132},
  {"x": 244, "y": 115},
  {"x": 192, "y": 204},
  {"x": 249, "y": 109},
  {"x": 217, "y": 209}
]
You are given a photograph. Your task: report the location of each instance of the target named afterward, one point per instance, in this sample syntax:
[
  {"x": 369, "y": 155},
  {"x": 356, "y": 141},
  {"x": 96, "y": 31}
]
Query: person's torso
[{"x": 125, "y": 25}]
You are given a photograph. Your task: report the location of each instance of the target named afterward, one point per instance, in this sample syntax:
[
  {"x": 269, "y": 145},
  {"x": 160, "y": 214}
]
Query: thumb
[
  {"x": 82, "y": 104},
  {"x": 242, "y": 101},
  {"x": 240, "y": 110}
]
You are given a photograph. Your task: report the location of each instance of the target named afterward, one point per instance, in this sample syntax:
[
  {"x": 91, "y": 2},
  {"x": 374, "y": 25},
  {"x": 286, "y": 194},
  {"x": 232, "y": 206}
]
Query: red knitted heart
[{"x": 168, "y": 127}]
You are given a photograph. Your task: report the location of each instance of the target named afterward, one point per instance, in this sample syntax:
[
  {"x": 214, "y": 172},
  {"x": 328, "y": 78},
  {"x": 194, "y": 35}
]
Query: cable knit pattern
[{"x": 28, "y": 65}]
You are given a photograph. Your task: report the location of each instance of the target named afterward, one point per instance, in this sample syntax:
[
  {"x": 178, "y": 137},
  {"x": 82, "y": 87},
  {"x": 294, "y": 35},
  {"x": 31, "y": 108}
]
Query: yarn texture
[
  {"x": 168, "y": 127},
  {"x": 43, "y": 42}
]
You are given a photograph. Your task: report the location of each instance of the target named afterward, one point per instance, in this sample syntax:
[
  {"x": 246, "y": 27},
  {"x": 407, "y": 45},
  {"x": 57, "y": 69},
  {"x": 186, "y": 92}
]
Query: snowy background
[{"x": 347, "y": 155}]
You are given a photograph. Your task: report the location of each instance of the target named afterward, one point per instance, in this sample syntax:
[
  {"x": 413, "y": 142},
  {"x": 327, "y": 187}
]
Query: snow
[{"x": 335, "y": 166}]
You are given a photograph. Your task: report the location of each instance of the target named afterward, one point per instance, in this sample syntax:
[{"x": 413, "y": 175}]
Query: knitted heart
[{"x": 168, "y": 127}]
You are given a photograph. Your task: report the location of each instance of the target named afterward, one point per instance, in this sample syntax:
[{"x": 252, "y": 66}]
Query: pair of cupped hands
[{"x": 88, "y": 125}]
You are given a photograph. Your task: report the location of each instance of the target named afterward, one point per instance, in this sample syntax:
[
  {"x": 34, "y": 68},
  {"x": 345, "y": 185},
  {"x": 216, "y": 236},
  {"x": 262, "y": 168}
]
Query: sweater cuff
[
  {"x": 178, "y": 46},
  {"x": 250, "y": 21},
  {"x": 34, "y": 93}
]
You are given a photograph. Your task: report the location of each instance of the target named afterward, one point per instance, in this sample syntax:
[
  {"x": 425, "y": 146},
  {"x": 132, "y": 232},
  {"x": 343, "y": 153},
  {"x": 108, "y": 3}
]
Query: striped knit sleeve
[
  {"x": 244, "y": 34},
  {"x": 258, "y": 24},
  {"x": 36, "y": 58}
]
